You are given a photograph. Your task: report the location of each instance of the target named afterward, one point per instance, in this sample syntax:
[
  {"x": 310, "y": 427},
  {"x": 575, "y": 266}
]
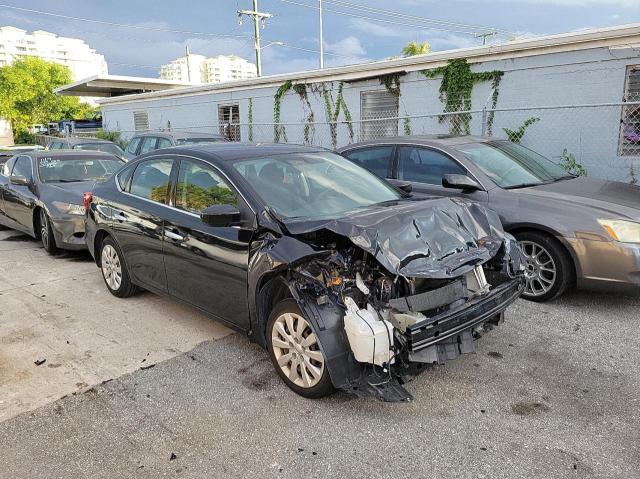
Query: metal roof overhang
[{"x": 108, "y": 86}]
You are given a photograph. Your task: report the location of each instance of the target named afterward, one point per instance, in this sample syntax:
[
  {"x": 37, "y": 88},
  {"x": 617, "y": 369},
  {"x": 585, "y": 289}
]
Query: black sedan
[
  {"x": 574, "y": 231},
  {"x": 345, "y": 280},
  {"x": 41, "y": 194}
]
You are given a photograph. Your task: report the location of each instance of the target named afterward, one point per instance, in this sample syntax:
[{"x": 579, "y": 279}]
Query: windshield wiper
[
  {"x": 525, "y": 185},
  {"x": 522, "y": 185}
]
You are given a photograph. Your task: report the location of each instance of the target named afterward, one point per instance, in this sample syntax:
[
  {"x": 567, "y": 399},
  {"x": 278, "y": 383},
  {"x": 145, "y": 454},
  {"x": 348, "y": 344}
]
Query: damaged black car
[{"x": 348, "y": 282}]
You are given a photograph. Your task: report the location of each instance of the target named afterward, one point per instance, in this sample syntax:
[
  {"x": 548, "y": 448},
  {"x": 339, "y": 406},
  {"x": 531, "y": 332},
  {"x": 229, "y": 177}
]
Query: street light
[{"x": 270, "y": 44}]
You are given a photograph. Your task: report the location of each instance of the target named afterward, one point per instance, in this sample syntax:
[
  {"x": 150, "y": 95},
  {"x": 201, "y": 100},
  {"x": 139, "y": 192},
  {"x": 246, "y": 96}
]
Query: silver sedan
[{"x": 575, "y": 231}]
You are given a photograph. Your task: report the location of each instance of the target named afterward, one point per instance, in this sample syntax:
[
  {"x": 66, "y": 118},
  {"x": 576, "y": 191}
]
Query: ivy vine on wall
[
  {"x": 279, "y": 131},
  {"x": 309, "y": 121},
  {"x": 333, "y": 111},
  {"x": 455, "y": 92}
]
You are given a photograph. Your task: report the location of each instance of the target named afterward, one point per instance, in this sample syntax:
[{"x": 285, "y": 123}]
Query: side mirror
[
  {"x": 406, "y": 187},
  {"x": 19, "y": 180},
  {"x": 460, "y": 182},
  {"x": 221, "y": 215}
]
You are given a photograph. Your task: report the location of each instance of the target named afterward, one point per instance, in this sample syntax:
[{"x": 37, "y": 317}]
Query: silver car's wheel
[
  {"x": 540, "y": 273},
  {"x": 296, "y": 350},
  {"x": 111, "y": 267}
]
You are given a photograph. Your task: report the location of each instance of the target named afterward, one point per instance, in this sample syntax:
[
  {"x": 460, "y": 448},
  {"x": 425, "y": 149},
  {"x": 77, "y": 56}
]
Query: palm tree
[{"x": 415, "y": 48}]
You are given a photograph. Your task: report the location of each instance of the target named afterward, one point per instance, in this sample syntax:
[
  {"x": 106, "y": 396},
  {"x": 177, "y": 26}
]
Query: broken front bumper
[{"x": 449, "y": 324}]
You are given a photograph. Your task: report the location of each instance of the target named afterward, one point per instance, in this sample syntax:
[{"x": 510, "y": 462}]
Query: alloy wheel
[
  {"x": 111, "y": 267},
  {"x": 44, "y": 229},
  {"x": 540, "y": 271},
  {"x": 296, "y": 350}
]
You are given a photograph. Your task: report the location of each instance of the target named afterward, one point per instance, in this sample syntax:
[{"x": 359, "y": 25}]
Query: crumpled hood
[{"x": 434, "y": 238}]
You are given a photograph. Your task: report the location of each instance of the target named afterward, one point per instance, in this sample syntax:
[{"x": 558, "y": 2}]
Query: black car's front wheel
[
  {"x": 114, "y": 270},
  {"x": 46, "y": 233},
  {"x": 548, "y": 271},
  {"x": 295, "y": 352}
]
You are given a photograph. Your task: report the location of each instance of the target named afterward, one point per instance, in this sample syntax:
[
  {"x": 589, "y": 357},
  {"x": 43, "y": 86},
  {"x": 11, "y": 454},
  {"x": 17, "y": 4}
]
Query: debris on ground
[{"x": 40, "y": 361}]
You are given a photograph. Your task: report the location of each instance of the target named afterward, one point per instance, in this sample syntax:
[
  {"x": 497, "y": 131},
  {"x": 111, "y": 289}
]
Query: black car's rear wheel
[
  {"x": 46, "y": 233},
  {"x": 295, "y": 352},
  {"x": 548, "y": 271},
  {"x": 114, "y": 270}
]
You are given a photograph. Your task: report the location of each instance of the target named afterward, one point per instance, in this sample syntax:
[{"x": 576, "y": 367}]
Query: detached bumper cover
[
  {"x": 451, "y": 323},
  {"x": 69, "y": 232}
]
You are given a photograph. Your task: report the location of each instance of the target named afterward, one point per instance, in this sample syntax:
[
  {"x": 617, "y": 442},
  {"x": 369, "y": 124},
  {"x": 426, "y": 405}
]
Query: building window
[
  {"x": 140, "y": 120},
  {"x": 375, "y": 106},
  {"x": 229, "y": 121},
  {"x": 629, "y": 144}
]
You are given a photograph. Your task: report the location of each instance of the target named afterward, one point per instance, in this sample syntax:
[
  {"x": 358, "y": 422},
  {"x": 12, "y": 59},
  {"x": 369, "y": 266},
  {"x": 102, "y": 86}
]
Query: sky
[{"x": 351, "y": 34}]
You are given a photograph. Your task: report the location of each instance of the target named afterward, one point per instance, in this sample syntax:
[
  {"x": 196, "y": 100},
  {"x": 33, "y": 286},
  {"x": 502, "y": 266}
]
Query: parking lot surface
[
  {"x": 58, "y": 309},
  {"x": 554, "y": 392}
]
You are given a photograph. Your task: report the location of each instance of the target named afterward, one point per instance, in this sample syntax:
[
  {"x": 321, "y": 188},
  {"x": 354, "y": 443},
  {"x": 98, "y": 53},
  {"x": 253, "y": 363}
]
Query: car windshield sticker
[{"x": 49, "y": 162}]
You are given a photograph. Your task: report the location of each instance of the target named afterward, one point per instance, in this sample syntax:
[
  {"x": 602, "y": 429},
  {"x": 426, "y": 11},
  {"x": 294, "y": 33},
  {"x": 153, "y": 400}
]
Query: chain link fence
[{"x": 604, "y": 138}]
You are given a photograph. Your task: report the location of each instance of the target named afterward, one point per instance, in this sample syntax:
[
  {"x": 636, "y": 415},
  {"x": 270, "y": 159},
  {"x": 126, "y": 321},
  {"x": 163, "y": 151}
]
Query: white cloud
[
  {"x": 372, "y": 28},
  {"x": 349, "y": 47}
]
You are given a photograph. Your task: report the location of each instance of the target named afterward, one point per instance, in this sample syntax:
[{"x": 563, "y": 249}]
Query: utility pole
[
  {"x": 321, "y": 35},
  {"x": 188, "y": 65},
  {"x": 258, "y": 17},
  {"x": 484, "y": 36}
]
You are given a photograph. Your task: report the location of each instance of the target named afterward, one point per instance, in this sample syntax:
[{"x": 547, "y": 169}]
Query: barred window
[
  {"x": 375, "y": 106},
  {"x": 629, "y": 144},
  {"x": 229, "y": 121}
]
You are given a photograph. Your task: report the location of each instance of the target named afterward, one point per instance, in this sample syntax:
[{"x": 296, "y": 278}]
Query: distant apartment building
[
  {"x": 74, "y": 53},
  {"x": 199, "y": 69}
]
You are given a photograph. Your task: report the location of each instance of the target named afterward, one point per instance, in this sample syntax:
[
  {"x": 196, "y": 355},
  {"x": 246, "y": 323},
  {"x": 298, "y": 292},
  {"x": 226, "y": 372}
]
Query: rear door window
[
  {"x": 7, "y": 167},
  {"x": 375, "y": 159},
  {"x": 163, "y": 143},
  {"x": 422, "y": 165},
  {"x": 148, "y": 144},
  {"x": 133, "y": 145},
  {"x": 151, "y": 180},
  {"x": 200, "y": 186}
]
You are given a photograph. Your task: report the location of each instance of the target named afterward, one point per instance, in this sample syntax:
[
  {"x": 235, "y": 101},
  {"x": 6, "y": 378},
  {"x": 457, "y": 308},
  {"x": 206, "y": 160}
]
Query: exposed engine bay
[{"x": 394, "y": 293}]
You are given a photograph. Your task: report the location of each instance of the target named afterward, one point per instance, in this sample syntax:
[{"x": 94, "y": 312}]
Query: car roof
[
  {"x": 69, "y": 154},
  {"x": 230, "y": 151},
  {"x": 181, "y": 134},
  {"x": 426, "y": 140},
  {"x": 78, "y": 141}
]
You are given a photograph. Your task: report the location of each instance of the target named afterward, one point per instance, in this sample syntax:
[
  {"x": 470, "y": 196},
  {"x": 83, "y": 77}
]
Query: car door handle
[{"x": 173, "y": 236}]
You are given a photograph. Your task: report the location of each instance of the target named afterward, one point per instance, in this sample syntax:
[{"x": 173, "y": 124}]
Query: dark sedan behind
[{"x": 41, "y": 194}]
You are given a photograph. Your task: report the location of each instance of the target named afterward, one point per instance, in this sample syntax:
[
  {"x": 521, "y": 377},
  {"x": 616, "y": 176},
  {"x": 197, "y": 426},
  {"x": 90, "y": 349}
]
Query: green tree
[
  {"x": 27, "y": 96},
  {"x": 415, "y": 48}
]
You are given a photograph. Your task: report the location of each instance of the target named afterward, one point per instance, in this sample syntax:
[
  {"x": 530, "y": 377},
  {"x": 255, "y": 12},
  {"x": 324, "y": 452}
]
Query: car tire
[
  {"x": 114, "y": 270},
  {"x": 46, "y": 233},
  {"x": 549, "y": 270},
  {"x": 295, "y": 352}
]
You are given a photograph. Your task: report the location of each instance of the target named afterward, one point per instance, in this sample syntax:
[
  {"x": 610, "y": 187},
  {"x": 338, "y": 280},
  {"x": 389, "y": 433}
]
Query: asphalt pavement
[{"x": 554, "y": 392}]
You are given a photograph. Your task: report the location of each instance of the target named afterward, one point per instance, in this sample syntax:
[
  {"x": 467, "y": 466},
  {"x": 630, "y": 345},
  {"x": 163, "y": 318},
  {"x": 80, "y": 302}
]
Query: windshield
[
  {"x": 190, "y": 141},
  {"x": 104, "y": 147},
  {"x": 313, "y": 185},
  {"x": 67, "y": 170},
  {"x": 511, "y": 165}
]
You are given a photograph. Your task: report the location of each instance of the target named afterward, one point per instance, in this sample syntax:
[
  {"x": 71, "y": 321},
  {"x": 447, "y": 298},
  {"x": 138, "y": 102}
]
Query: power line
[
  {"x": 469, "y": 30},
  {"x": 124, "y": 25},
  {"x": 390, "y": 13}
]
